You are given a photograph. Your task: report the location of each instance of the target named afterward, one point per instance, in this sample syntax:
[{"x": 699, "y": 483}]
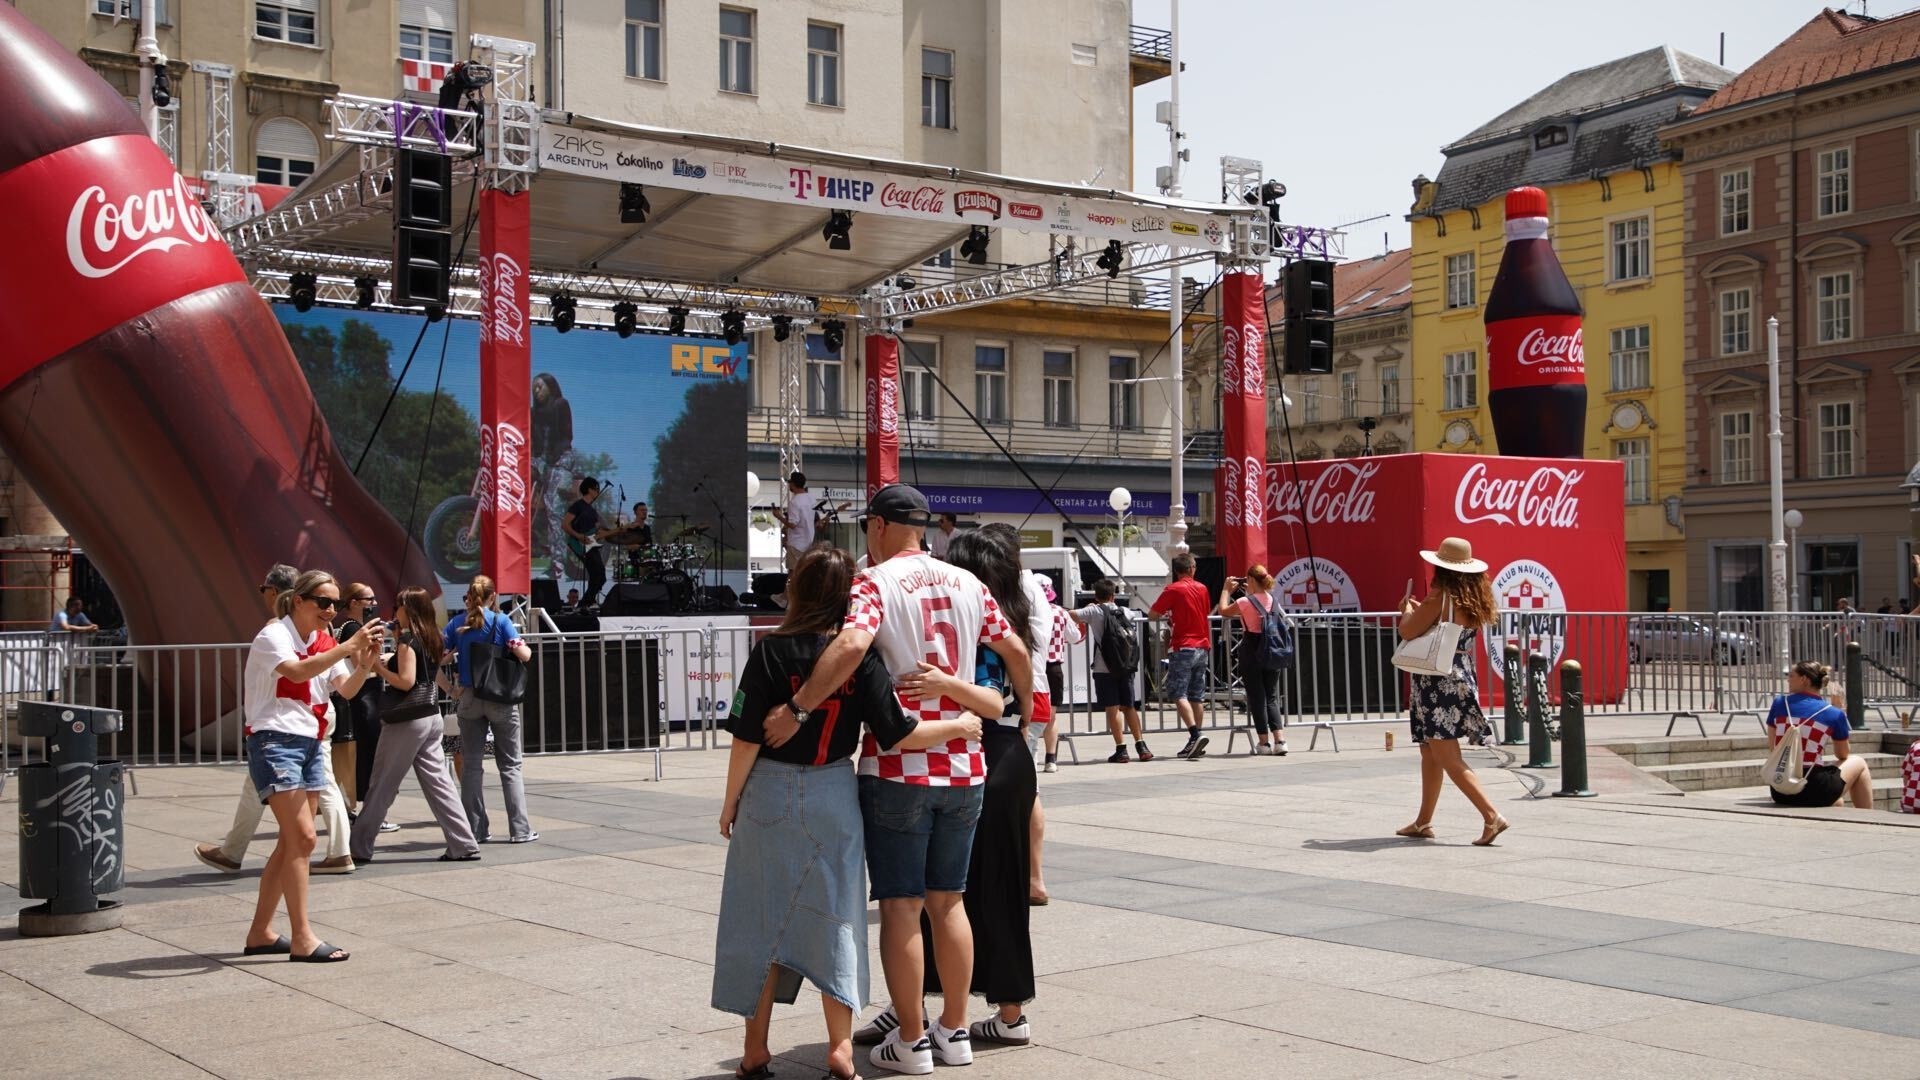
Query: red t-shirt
[{"x": 1190, "y": 604}]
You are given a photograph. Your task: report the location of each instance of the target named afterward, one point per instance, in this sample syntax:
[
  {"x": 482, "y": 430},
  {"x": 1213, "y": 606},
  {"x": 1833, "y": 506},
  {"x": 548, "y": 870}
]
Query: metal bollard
[
  {"x": 1540, "y": 744},
  {"x": 1516, "y": 733},
  {"x": 1573, "y": 734},
  {"x": 1856, "y": 687},
  {"x": 71, "y": 830}
]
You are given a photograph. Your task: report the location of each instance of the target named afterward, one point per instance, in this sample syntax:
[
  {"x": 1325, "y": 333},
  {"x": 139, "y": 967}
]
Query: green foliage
[{"x": 690, "y": 452}]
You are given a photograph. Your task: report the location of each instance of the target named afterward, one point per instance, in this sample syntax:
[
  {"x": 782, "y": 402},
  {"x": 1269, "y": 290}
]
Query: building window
[
  {"x": 936, "y": 88},
  {"x": 1630, "y": 350},
  {"x": 1836, "y": 181},
  {"x": 1632, "y": 248},
  {"x": 1736, "y": 447},
  {"x": 1057, "y": 388},
  {"x": 1632, "y": 456},
  {"x": 643, "y": 39},
  {"x": 1736, "y": 322},
  {"x": 427, "y": 28},
  {"x": 296, "y": 22},
  {"x": 824, "y": 371},
  {"x": 1462, "y": 389},
  {"x": 1832, "y": 571},
  {"x": 990, "y": 383},
  {"x": 823, "y": 64},
  {"x": 1123, "y": 392},
  {"x": 1349, "y": 395},
  {"x": 129, "y": 9},
  {"x": 1836, "y": 438},
  {"x": 736, "y": 51},
  {"x": 1736, "y": 201},
  {"x": 1739, "y": 584},
  {"x": 1310, "y": 390},
  {"x": 284, "y": 152},
  {"x": 1460, "y": 286},
  {"x": 919, "y": 361},
  {"x": 1550, "y": 137},
  {"x": 1915, "y": 279},
  {"x": 1834, "y": 317},
  {"x": 1389, "y": 389}
]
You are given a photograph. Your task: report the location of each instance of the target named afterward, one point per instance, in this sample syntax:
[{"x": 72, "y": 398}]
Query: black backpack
[
  {"x": 1271, "y": 648},
  {"x": 1119, "y": 648}
]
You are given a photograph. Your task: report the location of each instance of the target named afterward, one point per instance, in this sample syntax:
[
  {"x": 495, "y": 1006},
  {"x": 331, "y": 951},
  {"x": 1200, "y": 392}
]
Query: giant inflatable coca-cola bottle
[
  {"x": 146, "y": 391},
  {"x": 1536, "y": 366}
]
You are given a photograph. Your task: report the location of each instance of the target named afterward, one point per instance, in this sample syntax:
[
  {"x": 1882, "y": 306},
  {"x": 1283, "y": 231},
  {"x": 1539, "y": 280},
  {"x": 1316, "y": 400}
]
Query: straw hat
[{"x": 1455, "y": 554}]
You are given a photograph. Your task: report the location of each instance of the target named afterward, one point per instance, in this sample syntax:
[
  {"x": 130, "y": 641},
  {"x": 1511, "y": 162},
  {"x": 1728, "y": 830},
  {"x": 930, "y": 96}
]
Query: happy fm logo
[{"x": 806, "y": 184}]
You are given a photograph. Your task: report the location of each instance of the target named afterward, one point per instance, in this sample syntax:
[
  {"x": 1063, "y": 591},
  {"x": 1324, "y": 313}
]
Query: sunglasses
[{"x": 325, "y": 603}]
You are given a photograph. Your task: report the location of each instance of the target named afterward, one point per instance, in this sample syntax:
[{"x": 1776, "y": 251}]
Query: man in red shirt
[{"x": 1187, "y": 603}]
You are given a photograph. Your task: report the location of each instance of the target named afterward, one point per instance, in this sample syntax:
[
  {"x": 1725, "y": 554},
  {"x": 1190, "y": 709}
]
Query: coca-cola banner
[
  {"x": 664, "y": 164},
  {"x": 1240, "y": 485},
  {"x": 1345, "y": 535},
  {"x": 883, "y": 411},
  {"x": 506, "y": 374}
]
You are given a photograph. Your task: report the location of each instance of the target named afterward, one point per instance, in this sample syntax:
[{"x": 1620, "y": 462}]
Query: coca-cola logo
[
  {"x": 502, "y": 450},
  {"x": 104, "y": 235},
  {"x": 500, "y": 316},
  {"x": 1253, "y": 474},
  {"x": 889, "y": 407},
  {"x": 1230, "y": 490},
  {"x": 1229, "y": 358},
  {"x": 1337, "y": 495},
  {"x": 1544, "y": 499},
  {"x": 1253, "y": 373},
  {"x": 921, "y": 200},
  {"x": 1540, "y": 347}
]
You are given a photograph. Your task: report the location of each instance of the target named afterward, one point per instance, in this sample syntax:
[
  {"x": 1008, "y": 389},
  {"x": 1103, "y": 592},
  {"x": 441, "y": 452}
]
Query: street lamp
[
  {"x": 1121, "y": 500},
  {"x": 1793, "y": 519},
  {"x": 753, "y": 484}
]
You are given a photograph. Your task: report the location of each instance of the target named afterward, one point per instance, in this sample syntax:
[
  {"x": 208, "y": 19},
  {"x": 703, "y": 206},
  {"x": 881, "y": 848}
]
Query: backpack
[
  {"x": 1119, "y": 648},
  {"x": 1271, "y": 649}
]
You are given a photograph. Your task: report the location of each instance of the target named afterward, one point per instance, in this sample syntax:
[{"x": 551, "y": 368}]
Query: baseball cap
[{"x": 901, "y": 505}]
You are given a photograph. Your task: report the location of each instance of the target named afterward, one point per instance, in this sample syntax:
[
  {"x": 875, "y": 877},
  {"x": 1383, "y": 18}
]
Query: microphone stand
[{"x": 719, "y": 541}]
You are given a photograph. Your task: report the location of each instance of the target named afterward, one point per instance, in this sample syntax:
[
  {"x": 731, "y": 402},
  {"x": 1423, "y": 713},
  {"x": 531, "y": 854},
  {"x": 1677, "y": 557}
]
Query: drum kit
[{"x": 680, "y": 564}]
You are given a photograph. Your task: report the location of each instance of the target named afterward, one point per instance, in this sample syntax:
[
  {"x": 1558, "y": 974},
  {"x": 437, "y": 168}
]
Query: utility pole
[
  {"x": 152, "y": 62},
  {"x": 1177, "y": 487},
  {"x": 1777, "y": 577}
]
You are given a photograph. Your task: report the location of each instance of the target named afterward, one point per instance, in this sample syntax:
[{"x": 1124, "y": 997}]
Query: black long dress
[{"x": 998, "y": 873}]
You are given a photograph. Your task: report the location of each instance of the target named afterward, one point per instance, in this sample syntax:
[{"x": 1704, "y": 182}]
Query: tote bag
[
  {"x": 1786, "y": 771},
  {"x": 1432, "y": 652}
]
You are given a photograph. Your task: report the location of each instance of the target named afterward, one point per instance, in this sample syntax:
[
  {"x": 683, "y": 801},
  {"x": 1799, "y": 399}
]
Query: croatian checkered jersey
[
  {"x": 919, "y": 608},
  {"x": 1065, "y": 632},
  {"x": 1820, "y": 724},
  {"x": 1910, "y": 780}
]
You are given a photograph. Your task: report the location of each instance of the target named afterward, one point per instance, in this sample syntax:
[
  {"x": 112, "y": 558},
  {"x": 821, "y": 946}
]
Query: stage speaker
[
  {"x": 769, "y": 585},
  {"x": 721, "y": 596},
  {"x": 1211, "y": 571},
  {"x": 575, "y": 622},
  {"x": 638, "y": 598},
  {"x": 546, "y": 594}
]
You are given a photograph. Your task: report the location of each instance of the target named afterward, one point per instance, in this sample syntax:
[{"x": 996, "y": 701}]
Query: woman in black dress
[{"x": 1446, "y": 708}]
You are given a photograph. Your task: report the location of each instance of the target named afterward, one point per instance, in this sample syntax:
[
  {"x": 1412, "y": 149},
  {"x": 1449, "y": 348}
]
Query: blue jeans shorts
[
  {"x": 1186, "y": 675},
  {"x": 277, "y": 762},
  {"x": 919, "y": 838}
]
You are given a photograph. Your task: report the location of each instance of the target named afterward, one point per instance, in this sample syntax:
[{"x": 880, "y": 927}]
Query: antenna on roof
[{"x": 1723, "y": 48}]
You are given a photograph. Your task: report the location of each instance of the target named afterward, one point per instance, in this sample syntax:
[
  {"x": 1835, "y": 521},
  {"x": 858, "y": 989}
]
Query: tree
[{"x": 706, "y": 449}]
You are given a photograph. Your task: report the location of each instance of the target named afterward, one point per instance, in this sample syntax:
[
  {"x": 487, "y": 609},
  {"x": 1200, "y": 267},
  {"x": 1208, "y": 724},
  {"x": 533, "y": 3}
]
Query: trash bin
[{"x": 72, "y": 835}]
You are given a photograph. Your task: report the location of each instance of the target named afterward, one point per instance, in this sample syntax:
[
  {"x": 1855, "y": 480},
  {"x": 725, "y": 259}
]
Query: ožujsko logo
[
  {"x": 1316, "y": 584},
  {"x": 104, "y": 236},
  {"x": 1337, "y": 495},
  {"x": 500, "y": 315},
  {"x": 1546, "y": 499},
  {"x": 503, "y": 470},
  {"x": 1532, "y": 611},
  {"x": 921, "y": 200},
  {"x": 976, "y": 202}
]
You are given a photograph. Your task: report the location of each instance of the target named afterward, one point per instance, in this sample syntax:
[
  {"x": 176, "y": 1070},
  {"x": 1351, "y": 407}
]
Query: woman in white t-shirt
[
  {"x": 1262, "y": 686},
  {"x": 292, "y": 671}
]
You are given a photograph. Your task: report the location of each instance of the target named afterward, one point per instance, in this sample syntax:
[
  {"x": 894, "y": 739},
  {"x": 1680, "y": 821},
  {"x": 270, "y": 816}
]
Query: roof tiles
[{"x": 1832, "y": 45}]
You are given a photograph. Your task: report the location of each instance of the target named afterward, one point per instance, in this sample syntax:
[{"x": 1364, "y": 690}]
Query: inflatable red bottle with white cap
[
  {"x": 146, "y": 391},
  {"x": 1536, "y": 362}
]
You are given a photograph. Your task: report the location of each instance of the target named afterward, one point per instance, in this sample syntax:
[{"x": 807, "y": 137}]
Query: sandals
[
  {"x": 280, "y": 946},
  {"x": 322, "y": 953},
  {"x": 1493, "y": 829},
  {"x": 762, "y": 1072},
  {"x": 1415, "y": 832}
]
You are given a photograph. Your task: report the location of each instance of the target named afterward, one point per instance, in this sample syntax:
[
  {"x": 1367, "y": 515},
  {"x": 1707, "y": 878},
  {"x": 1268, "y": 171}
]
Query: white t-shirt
[
  {"x": 1039, "y": 627},
  {"x": 273, "y": 703},
  {"x": 800, "y": 516},
  {"x": 918, "y": 608},
  {"x": 937, "y": 541}
]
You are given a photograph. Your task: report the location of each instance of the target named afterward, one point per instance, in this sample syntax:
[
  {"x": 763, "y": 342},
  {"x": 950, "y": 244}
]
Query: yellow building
[{"x": 1591, "y": 140}]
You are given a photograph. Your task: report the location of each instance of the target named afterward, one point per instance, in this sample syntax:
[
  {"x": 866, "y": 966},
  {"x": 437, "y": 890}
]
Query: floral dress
[{"x": 1448, "y": 706}]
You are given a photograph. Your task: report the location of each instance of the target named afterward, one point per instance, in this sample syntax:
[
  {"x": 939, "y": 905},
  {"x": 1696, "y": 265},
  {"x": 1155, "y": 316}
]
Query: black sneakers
[
  {"x": 1141, "y": 748},
  {"x": 1119, "y": 756}
]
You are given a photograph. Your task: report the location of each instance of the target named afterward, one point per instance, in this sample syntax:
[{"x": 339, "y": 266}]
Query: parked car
[{"x": 1679, "y": 637}]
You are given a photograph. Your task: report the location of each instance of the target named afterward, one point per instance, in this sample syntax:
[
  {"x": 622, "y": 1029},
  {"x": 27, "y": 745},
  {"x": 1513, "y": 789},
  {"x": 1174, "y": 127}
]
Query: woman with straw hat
[{"x": 1446, "y": 708}]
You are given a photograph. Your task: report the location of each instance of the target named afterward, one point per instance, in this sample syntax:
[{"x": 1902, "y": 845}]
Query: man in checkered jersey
[{"x": 920, "y": 807}]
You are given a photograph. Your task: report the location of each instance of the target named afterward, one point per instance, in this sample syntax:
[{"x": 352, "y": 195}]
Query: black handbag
[{"x": 497, "y": 676}]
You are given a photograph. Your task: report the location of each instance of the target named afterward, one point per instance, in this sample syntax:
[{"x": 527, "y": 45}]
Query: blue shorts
[
  {"x": 1186, "y": 675},
  {"x": 919, "y": 838},
  {"x": 277, "y": 762}
]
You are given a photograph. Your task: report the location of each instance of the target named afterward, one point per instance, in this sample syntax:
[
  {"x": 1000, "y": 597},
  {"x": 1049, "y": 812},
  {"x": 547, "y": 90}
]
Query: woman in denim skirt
[{"x": 794, "y": 902}]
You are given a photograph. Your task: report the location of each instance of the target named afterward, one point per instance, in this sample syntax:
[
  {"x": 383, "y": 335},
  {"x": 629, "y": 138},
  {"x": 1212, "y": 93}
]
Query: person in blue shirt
[
  {"x": 1822, "y": 726},
  {"x": 481, "y": 623},
  {"x": 74, "y": 619}
]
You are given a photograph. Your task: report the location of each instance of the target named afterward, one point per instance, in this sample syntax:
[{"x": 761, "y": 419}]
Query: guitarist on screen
[{"x": 582, "y": 525}]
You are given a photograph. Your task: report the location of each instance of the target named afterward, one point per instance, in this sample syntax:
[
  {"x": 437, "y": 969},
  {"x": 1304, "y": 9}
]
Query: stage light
[
  {"x": 435, "y": 313},
  {"x": 561, "y": 309},
  {"x": 464, "y": 79},
  {"x": 733, "y": 326},
  {"x": 162, "y": 87},
  {"x": 677, "y": 320},
  {"x": 838, "y": 231},
  {"x": 302, "y": 289},
  {"x": 974, "y": 247},
  {"x": 833, "y": 334},
  {"x": 634, "y": 206},
  {"x": 782, "y": 327},
  {"x": 1271, "y": 193},
  {"x": 363, "y": 290},
  {"x": 1111, "y": 259},
  {"x": 626, "y": 317},
  {"x": 903, "y": 282}
]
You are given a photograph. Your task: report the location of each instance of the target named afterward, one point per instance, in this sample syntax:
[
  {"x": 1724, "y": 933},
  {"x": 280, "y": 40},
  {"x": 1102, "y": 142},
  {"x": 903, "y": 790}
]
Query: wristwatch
[{"x": 799, "y": 714}]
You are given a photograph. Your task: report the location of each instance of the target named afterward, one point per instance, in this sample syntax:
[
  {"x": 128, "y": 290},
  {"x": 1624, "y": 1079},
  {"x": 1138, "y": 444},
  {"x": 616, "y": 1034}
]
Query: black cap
[{"x": 901, "y": 505}]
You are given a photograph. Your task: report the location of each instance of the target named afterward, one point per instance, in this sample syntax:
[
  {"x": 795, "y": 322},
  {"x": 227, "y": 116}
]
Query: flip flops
[
  {"x": 322, "y": 954},
  {"x": 280, "y": 947}
]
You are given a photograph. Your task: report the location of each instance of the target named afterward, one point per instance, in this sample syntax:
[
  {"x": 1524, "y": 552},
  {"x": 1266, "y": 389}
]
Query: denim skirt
[{"x": 795, "y": 890}]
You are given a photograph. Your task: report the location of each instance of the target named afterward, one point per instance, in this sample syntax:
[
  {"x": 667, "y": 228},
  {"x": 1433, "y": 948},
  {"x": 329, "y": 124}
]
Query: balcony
[
  {"x": 958, "y": 436},
  {"x": 1150, "y": 54}
]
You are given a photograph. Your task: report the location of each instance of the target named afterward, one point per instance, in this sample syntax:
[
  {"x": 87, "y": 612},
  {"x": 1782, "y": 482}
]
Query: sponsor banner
[
  {"x": 1076, "y": 503},
  {"x": 506, "y": 376},
  {"x": 883, "y": 411},
  {"x": 697, "y": 670},
  {"x": 1243, "y": 412},
  {"x": 872, "y": 191}
]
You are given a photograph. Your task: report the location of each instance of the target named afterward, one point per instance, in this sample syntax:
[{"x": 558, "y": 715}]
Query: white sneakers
[
  {"x": 952, "y": 1046},
  {"x": 881, "y": 1026},
  {"x": 995, "y": 1030},
  {"x": 894, "y": 1056},
  {"x": 946, "y": 1046}
]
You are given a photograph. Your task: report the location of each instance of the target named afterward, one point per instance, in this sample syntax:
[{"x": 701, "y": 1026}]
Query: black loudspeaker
[
  {"x": 1211, "y": 571},
  {"x": 721, "y": 596},
  {"x": 769, "y": 584},
  {"x": 546, "y": 594},
  {"x": 638, "y": 598},
  {"x": 1308, "y": 288},
  {"x": 577, "y": 622}
]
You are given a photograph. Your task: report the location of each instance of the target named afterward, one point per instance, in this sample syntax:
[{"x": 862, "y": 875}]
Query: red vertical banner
[
  {"x": 883, "y": 411},
  {"x": 1241, "y": 485},
  {"x": 506, "y": 390}
]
